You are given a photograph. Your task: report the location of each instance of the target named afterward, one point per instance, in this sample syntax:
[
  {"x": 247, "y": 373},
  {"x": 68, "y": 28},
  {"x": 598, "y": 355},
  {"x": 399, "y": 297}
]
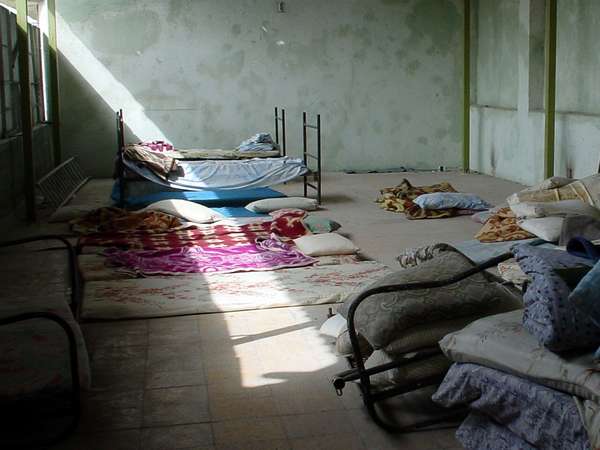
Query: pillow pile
[{"x": 184, "y": 209}]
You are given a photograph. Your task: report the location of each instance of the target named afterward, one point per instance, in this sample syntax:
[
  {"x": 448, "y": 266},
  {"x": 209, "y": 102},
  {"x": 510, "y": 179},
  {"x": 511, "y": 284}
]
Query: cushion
[
  {"x": 272, "y": 204},
  {"x": 586, "y": 295},
  {"x": 561, "y": 208},
  {"x": 325, "y": 244},
  {"x": 546, "y": 228},
  {"x": 190, "y": 211},
  {"x": 550, "y": 183},
  {"x": 549, "y": 316},
  {"x": 384, "y": 318},
  {"x": 446, "y": 200},
  {"x": 501, "y": 342},
  {"x": 319, "y": 225}
]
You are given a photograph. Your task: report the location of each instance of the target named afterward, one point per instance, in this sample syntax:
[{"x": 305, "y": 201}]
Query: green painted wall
[
  {"x": 509, "y": 142},
  {"x": 385, "y": 75}
]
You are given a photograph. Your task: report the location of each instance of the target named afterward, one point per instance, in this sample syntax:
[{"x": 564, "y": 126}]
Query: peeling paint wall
[
  {"x": 508, "y": 141},
  {"x": 385, "y": 75}
]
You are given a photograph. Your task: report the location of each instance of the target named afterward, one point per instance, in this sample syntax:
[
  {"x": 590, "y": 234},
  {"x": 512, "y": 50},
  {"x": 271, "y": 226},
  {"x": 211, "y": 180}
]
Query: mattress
[
  {"x": 226, "y": 174},
  {"x": 142, "y": 193}
]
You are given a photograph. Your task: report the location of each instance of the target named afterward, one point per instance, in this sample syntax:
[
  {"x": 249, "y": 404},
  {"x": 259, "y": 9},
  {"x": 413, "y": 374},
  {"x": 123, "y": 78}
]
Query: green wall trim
[
  {"x": 550, "y": 91},
  {"x": 54, "y": 93},
  {"x": 467, "y": 87},
  {"x": 26, "y": 119}
]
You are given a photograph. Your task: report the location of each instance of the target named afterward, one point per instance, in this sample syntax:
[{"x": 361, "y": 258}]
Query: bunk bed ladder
[{"x": 309, "y": 157}]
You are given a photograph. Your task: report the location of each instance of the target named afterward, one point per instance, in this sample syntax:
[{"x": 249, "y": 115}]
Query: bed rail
[
  {"x": 278, "y": 119},
  {"x": 311, "y": 157},
  {"x": 358, "y": 372},
  {"x": 75, "y": 395}
]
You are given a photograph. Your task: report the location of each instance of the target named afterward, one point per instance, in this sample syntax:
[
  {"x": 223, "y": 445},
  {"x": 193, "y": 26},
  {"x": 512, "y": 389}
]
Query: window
[{"x": 10, "y": 104}]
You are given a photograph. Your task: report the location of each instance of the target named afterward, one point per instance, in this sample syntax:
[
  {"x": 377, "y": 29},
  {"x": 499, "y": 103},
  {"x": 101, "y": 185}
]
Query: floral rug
[{"x": 207, "y": 293}]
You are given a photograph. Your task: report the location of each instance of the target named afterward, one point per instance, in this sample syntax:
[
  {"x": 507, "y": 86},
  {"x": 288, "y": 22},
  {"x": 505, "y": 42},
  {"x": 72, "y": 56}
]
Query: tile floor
[{"x": 247, "y": 380}]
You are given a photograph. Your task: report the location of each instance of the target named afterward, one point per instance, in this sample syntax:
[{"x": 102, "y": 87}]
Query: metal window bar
[
  {"x": 359, "y": 373},
  {"x": 60, "y": 184},
  {"x": 281, "y": 119},
  {"x": 306, "y": 156},
  {"x": 75, "y": 395}
]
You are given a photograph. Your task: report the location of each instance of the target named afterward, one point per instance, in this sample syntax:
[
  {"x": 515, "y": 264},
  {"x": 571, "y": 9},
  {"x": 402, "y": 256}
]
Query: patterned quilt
[{"x": 400, "y": 199}]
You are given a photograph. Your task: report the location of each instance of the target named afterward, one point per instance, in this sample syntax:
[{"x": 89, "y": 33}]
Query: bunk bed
[{"x": 214, "y": 177}]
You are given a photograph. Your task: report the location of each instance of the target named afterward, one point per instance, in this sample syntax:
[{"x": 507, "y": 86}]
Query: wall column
[{"x": 26, "y": 119}]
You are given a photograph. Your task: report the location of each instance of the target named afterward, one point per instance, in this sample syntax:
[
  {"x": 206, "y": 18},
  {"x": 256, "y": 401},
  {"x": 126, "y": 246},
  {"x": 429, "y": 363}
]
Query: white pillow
[
  {"x": 325, "y": 244},
  {"x": 546, "y": 228},
  {"x": 190, "y": 211},
  {"x": 561, "y": 208},
  {"x": 273, "y": 204}
]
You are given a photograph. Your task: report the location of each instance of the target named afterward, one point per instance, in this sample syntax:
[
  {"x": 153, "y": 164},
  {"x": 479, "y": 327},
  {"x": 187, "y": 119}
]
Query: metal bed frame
[
  {"x": 280, "y": 125},
  {"x": 361, "y": 375},
  {"x": 75, "y": 394}
]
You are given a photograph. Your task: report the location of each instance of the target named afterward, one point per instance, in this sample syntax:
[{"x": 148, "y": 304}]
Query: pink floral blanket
[{"x": 264, "y": 254}]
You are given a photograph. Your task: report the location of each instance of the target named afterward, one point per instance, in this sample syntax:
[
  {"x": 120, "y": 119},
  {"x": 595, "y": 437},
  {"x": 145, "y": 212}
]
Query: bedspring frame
[
  {"x": 75, "y": 394},
  {"x": 362, "y": 376},
  {"x": 280, "y": 125}
]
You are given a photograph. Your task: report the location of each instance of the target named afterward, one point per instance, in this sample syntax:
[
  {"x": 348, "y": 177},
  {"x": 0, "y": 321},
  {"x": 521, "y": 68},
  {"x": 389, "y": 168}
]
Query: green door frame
[
  {"x": 467, "y": 86},
  {"x": 26, "y": 119},
  {"x": 550, "y": 91}
]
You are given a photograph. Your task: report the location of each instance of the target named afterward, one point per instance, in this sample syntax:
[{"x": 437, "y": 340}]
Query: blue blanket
[{"x": 541, "y": 416}]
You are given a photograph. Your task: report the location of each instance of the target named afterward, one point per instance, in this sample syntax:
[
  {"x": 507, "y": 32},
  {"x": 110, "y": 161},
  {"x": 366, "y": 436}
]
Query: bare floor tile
[
  {"x": 172, "y": 406},
  {"x": 162, "y": 379},
  {"x": 194, "y": 436},
  {"x": 113, "y": 440},
  {"x": 245, "y": 431},
  {"x": 317, "y": 424},
  {"x": 111, "y": 410}
]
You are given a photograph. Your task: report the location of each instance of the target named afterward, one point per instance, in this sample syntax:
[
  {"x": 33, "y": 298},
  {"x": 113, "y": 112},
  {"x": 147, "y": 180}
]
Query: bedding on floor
[
  {"x": 502, "y": 226},
  {"x": 543, "y": 417},
  {"x": 206, "y": 293},
  {"x": 264, "y": 254},
  {"x": 501, "y": 342},
  {"x": 111, "y": 219},
  {"x": 206, "y": 236},
  {"x": 401, "y": 198}
]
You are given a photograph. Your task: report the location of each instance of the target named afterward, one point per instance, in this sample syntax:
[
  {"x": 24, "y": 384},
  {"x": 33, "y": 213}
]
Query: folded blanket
[
  {"x": 502, "y": 226},
  {"x": 159, "y": 163},
  {"x": 111, "y": 219},
  {"x": 549, "y": 316},
  {"x": 478, "y": 432},
  {"x": 400, "y": 199},
  {"x": 541, "y": 416}
]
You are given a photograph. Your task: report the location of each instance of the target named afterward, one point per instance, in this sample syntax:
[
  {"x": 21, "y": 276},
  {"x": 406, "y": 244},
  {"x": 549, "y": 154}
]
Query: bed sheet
[{"x": 225, "y": 174}]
